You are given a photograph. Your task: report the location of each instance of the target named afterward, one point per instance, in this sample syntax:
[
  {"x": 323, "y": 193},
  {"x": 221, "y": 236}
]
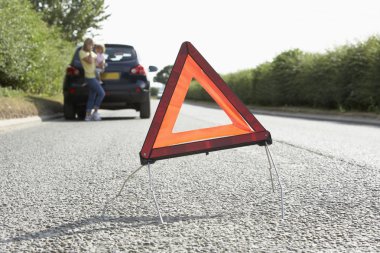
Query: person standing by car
[{"x": 96, "y": 93}]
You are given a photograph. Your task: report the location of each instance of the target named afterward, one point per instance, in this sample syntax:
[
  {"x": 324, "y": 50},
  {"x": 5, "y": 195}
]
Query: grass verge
[{"x": 18, "y": 104}]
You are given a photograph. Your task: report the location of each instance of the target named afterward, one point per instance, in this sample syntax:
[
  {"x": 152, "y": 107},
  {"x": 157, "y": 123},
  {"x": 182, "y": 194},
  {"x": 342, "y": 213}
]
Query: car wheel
[
  {"x": 68, "y": 110},
  {"x": 81, "y": 112},
  {"x": 145, "y": 110}
]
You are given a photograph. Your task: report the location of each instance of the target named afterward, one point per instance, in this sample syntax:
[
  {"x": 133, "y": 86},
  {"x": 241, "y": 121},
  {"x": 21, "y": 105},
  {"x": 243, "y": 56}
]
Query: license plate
[{"x": 110, "y": 76}]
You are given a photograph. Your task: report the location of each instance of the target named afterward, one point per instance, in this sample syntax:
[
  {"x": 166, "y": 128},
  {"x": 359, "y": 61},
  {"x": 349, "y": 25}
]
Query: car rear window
[
  {"x": 119, "y": 54},
  {"x": 115, "y": 53}
]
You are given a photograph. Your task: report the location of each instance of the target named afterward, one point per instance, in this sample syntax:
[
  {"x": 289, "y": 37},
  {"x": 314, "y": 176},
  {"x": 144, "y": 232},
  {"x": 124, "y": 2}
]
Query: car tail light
[
  {"x": 138, "y": 90},
  {"x": 71, "y": 71},
  {"x": 72, "y": 90},
  {"x": 138, "y": 70}
]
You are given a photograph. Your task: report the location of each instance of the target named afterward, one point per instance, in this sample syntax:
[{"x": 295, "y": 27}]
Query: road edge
[
  {"x": 310, "y": 116},
  {"x": 301, "y": 115},
  {"x": 31, "y": 119}
]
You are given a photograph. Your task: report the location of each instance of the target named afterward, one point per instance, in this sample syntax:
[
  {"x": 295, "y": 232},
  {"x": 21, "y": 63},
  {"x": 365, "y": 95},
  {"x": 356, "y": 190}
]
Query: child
[{"x": 100, "y": 60}]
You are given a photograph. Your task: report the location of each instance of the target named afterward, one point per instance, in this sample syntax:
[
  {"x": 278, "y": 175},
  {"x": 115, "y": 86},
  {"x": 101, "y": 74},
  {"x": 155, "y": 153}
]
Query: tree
[
  {"x": 29, "y": 50},
  {"x": 163, "y": 75},
  {"x": 286, "y": 69},
  {"x": 73, "y": 17}
]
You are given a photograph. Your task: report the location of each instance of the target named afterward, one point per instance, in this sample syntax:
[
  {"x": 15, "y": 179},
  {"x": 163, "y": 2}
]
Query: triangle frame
[{"x": 151, "y": 152}]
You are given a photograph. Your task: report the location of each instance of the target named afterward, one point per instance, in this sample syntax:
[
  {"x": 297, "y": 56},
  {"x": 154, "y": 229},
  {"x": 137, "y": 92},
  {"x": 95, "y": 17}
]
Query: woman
[{"x": 96, "y": 92}]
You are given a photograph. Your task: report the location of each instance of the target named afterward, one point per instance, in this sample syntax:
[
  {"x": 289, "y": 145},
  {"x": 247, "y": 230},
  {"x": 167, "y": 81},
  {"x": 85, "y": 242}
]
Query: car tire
[
  {"x": 68, "y": 110},
  {"x": 81, "y": 112},
  {"x": 145, "y": 110}
]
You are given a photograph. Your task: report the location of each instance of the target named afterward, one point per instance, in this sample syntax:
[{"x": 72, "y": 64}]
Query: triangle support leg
[
  {"x": 154, "y": 196},
  {"x": 270, "y": 167},
  {"x": 121, "y": 189},
  {"x": 273, "y": 165}
]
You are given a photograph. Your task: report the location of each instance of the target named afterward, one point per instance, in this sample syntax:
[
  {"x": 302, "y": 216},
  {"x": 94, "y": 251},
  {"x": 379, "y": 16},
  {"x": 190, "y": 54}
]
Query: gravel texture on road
[{"x": 56, "y": 177}]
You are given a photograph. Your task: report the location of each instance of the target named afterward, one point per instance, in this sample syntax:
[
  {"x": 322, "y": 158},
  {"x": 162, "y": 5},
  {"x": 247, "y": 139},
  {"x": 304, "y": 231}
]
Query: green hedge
[
  {"x": 346, "y": 78},
  {"x": 153, "y": 91},
  {"x": 33, "y": 57}
]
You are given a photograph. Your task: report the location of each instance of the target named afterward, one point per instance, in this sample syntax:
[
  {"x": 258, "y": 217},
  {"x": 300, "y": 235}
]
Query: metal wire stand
[
  {"x": 106, "y": 205},
  {"x": 121, "y": 189},
  {"x": 154, "y": 196},
  {"x": 271, "y": 166}
]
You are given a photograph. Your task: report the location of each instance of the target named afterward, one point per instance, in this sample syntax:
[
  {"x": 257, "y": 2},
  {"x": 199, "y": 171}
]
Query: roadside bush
[
  {"x": 346, "y": 78},
  {"x": 263, "y": 85},
  {"x": 358, "y": 76},
  {"x": 285, "y": 70},
  {"x": 240, "y": 83},
  {"x": 153, "y": 91},
  {"x": 196, "y": 92},
  {"x": 33, "y": 56},
  {"x": 9, "y": 92}
]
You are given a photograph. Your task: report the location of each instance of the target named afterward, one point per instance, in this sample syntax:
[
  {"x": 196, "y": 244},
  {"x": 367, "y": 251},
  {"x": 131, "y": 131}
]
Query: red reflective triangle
[{"x": 162, "y": 143}]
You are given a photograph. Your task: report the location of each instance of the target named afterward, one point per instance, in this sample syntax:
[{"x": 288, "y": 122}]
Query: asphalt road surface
[{"x": 56, "y": 176}]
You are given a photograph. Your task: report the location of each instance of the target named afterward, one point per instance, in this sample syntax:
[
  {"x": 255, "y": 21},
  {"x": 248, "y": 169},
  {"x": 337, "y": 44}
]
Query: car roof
[
  {"x": 112, "y": 45},
  {"x": 117, "y": 45}
]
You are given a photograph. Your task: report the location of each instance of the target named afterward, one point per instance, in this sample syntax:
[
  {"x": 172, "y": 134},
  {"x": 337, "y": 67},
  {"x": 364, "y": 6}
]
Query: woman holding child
[{"x": 96, "y": 93}]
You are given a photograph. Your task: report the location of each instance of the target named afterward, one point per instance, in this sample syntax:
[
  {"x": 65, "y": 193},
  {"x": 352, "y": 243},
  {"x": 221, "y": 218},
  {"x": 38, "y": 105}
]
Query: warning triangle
[{"x": 161, "y": 142}]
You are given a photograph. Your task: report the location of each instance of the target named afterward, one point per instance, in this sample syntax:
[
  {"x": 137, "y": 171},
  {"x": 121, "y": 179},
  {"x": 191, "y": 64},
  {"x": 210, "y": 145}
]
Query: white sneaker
[
  {"x": 96, "y": 116},
  {"x": 88, "y": 118}
]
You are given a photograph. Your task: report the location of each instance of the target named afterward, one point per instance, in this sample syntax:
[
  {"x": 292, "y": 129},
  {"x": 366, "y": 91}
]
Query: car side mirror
[{"x": 153, "y": 68}]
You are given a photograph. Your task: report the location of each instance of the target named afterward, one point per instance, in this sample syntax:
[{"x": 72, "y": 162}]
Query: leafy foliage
[
  {"x": 163, "y": 75},
  {"x": 153, "y": 91},
  {"x": 346, "y": 78},
  {"x": 241, "y": 83},
  {"x": 73, "y": 17},
  {"x": 32, "y": 55}
]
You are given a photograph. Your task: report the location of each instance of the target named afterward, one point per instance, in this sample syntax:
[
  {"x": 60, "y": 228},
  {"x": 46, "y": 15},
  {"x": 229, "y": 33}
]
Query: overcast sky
[{"x": 238, "y": 34}]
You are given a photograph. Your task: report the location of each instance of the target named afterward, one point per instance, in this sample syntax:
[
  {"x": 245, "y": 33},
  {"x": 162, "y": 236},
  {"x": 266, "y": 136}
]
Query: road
[{"x": 56, "y": 177}]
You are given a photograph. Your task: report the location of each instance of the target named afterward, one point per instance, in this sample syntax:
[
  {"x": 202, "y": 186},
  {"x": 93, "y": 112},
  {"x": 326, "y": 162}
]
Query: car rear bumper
[{"x": 122, "y": 98}]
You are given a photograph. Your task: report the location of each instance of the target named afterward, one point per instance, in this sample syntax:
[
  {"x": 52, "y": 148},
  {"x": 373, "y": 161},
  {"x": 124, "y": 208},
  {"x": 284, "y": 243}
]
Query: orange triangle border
[{"x": 149, "y": 153}]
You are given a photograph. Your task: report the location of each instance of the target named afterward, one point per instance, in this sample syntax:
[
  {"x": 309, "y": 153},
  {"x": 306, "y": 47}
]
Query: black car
[{"x": 124, "y": 81}]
